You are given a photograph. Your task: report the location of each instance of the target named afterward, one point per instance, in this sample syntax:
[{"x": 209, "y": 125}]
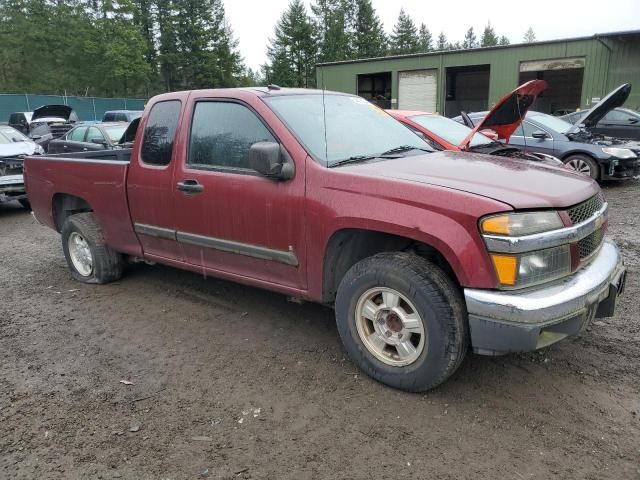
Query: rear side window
[
  {"x": 222, "y": 134},
  {"x": 160, "y": 132},
  {"x": 77, "y": 134}
]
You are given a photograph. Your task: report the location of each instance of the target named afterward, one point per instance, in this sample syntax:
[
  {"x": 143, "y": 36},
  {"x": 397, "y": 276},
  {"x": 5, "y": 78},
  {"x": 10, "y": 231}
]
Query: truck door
[
  {"x": 229, "y": 218},
  {"x": 150, "y": 187}
]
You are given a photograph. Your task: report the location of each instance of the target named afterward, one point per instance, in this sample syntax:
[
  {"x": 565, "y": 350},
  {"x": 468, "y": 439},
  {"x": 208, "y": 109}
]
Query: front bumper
[
  {"x": 621, "y": 169},
  {"x": 520, "y": 321},
  {"x": 12, "y": 188}
]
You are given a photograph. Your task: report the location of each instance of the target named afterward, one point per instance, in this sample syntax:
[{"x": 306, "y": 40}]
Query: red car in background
[{"x": 446, "y": 134}]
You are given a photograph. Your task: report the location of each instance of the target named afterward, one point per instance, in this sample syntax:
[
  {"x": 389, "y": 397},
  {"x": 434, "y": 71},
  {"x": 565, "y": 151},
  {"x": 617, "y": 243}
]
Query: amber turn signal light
[{"x": 506, "y": 268}]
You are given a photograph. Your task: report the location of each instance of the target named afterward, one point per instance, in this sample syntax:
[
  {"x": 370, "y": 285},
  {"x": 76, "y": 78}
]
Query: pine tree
[
  {"x": 489, "y": 37},
  {"x": 503, "y": 41},
  {"x": 470, "y": 40},
  {"x": 529, "y": 36},
  {"x": 404, "y": 38},
  {"x": 442, "y": 43},
  {"x": 370, "y": 40},
  {"x": 292, "y": 51},
  {"x": 333, "y": 21},
  {"x": 426, "y": 39}
]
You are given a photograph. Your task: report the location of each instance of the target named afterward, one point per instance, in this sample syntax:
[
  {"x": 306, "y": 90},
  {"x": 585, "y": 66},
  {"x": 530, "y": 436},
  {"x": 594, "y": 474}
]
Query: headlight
[
  {"x": 619, "y": 152},
  {"x": 529, "y": 268},
  {"x": 532, "y": 268},
  {"x": 519, "y": 224}
]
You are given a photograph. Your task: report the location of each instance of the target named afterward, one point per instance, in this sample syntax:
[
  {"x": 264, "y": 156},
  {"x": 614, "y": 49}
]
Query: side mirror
[
  {"x": 271, "y": 160},
  {"x": 539, "y": 134},
  {"x": 99, "y": 141}
]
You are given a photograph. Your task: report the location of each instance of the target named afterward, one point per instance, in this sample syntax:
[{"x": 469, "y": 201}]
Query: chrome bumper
[{"x": 517, "y": 321}]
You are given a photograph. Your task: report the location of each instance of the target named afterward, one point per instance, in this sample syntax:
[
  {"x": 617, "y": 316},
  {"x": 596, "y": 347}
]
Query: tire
[
  {"x": 106, "y": 265},
  {"x": 584, "y": 164},
  {"x": 425, "y": 290},
  {"x": 25, "y": 203}
]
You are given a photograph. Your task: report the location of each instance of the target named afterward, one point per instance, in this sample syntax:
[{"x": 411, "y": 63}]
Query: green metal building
[{"x": 579, "y": 72}]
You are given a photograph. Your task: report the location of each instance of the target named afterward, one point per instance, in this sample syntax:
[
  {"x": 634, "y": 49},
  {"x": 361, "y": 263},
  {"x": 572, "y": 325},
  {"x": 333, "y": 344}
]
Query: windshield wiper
[
  {"x": 354, "y": 159},
  {"x": 404, "y": 148}
]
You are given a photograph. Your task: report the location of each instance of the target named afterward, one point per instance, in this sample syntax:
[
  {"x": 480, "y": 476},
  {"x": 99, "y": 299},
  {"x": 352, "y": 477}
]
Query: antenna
[{"x": 324, "y": 116}]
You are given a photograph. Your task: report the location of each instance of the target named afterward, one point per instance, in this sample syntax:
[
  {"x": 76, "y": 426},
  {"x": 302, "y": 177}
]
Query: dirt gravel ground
[{"x": 234, "y": 382}]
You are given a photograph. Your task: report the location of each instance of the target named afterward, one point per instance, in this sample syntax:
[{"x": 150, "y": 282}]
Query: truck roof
[{"x": 258, "y": 91}]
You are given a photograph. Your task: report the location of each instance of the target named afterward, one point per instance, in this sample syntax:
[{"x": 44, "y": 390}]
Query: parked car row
[
  {"x": 578, "y": 145},
  {"x": 425, "y": 249}
]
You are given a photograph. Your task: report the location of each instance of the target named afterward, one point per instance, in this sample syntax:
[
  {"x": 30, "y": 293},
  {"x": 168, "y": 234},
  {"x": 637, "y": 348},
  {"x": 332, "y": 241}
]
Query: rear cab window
[{"x": 160, "y": 132}]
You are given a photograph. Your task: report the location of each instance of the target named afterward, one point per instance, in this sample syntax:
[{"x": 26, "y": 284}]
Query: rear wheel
[
  {"x": 89, "y": 258},
  {"x": 402, "y": 320},
  {"x": 584, "y": 165}
]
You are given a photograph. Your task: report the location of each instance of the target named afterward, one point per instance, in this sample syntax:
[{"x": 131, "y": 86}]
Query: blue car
[{"x": 598, "y": 156}]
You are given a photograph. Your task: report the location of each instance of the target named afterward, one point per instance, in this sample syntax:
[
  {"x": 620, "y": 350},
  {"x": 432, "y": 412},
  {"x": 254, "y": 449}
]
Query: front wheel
[
  {"x": 89, "y": 258},
  {"x": 402, "y": 320},
  {"x": 584, "y": 165}
]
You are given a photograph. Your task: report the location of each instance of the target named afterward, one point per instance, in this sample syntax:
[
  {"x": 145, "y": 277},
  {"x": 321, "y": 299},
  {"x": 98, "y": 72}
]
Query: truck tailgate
[{"x": 100, "y": 182}]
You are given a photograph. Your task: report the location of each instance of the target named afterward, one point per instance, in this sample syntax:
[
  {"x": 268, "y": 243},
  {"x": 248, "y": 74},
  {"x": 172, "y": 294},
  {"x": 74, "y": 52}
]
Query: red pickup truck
[{"x": 324, "y": 197}]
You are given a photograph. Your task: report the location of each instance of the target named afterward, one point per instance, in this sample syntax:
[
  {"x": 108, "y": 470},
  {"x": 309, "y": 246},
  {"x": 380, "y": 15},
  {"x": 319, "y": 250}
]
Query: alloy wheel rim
[
  {"x": 80, "y": 254},
  {"x": 390, "y": 326},
  {"x": 580, "y": 166}
]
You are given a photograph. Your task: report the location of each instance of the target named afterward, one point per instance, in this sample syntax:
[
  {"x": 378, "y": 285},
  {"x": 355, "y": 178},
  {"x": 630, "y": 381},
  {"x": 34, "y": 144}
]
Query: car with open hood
[
  {"x": 51, "y": 121},
  {"x": 619, "y": 123},
  {"x": 598, "y": 156},
  {"x": 14, "y": 146},
  {"x": 446, "y": 134}
]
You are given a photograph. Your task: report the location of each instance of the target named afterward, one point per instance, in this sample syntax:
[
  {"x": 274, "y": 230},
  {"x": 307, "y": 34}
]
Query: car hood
[
  {"x": 55, "y": 111},
  {"x": 17, "y": 148},
  {"x": 509, "y": 112},
  {"x": 518, "y": 183},
  {"x": 593, "y": 116}
]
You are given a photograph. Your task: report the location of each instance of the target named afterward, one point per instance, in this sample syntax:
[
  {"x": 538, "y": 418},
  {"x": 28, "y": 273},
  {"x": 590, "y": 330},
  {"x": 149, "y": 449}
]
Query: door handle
[{"x": 190, "y": 186}]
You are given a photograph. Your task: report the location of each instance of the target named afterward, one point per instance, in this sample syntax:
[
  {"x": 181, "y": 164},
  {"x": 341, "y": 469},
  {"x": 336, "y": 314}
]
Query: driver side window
[{"x": 526, "y": 130}]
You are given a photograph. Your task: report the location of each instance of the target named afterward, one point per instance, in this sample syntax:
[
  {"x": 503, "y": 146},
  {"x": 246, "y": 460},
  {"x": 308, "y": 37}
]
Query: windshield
[
  {"x": 554, "y": 123},
  {"x": 8, "y": 134},
  {"x": 449, "y": 130},
  {"x": 115, "y": 133},
  {"x": 354, "y": 127}
]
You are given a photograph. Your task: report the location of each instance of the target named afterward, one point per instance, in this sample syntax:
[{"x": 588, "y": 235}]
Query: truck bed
[{"x": 54, "y": 183}]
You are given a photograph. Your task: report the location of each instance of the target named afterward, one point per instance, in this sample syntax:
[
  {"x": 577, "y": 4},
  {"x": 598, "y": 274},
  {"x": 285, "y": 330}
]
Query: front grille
[
  {"x": 589, "y": 244},
  {"x": 59, "y": 130},
  {"x": 586, "y": 209}
]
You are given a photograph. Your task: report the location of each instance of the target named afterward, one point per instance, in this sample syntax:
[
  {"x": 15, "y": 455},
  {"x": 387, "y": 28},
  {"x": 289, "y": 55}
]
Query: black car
[
  {"x": 121, "y": 115},
  {"x": 598, "y": 156},
  {"x": 20, "y": 121},
  {"x": 98, "y": 136},
  {"x": 619, "y": 123}
]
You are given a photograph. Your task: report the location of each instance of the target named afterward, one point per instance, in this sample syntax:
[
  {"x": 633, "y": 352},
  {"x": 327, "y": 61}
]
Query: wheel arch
[
  {"x": 348, "y": 246},
  {"x": 64, "y": 205}
]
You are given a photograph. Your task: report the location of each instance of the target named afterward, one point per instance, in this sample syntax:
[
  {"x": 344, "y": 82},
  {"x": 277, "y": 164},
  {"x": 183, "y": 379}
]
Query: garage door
[{"x": 417, "y": 90}]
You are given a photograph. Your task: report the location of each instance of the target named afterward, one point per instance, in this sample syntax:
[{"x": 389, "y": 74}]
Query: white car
[{"x": 13, "y": 147}]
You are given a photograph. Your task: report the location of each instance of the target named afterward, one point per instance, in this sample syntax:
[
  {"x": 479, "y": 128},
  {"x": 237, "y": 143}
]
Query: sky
[{"x": 253, "y": 21}]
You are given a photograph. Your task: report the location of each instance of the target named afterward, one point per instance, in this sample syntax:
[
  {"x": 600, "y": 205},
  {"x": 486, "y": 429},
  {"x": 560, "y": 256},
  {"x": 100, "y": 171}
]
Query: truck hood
[
  {"x": 509, "y": 112},
  {"x": 518, "y": 183},
  {"x": 52, "y": 111},
  {"x": 613, "y": 100}
]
